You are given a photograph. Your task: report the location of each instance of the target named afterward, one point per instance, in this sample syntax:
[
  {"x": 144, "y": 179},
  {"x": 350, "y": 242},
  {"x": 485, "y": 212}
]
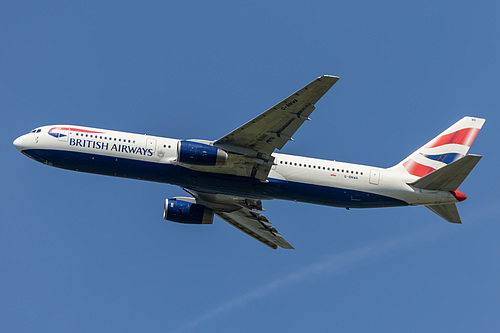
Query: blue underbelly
[{"x": 211, "y": 182}]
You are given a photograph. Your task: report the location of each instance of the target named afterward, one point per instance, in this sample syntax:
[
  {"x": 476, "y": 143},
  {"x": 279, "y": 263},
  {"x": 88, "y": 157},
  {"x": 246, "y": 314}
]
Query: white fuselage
[{"x": 292, "y": 177}]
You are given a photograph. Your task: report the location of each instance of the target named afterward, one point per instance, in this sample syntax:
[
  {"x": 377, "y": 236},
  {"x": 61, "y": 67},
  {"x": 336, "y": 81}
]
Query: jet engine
[
  {"x": 200, "y": 154},
  {"x": 185, "y": 210}
]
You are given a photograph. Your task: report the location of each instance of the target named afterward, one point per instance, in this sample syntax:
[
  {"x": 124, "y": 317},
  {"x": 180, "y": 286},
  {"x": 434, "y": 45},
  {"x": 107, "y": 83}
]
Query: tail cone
[{"x": 458, "y": 195}]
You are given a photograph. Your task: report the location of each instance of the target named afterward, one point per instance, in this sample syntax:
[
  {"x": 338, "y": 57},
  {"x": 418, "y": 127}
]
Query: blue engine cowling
[
  {"x": 200, "y": 154},
  {"x": 182, "y": 211}
]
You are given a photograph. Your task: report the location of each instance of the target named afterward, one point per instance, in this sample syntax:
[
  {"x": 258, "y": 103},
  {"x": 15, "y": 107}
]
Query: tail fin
[
  {"x": 447, "y": 147},
  {"x": 443, "y": 164}
]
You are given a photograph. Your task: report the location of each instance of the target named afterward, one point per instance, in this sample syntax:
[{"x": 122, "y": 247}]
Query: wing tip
[{"x": 329, "y": 76}]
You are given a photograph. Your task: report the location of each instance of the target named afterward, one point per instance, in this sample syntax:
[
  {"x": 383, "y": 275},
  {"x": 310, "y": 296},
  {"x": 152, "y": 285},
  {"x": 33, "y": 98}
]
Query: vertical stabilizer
[{"x": 447, "y": 147}]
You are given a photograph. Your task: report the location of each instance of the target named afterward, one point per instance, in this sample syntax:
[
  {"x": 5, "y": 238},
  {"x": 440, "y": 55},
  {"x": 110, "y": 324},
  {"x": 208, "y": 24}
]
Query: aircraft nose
[{"x": 18, "y": 143}]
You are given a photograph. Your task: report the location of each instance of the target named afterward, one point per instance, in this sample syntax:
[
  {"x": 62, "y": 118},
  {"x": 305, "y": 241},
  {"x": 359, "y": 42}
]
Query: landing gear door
[
  {"x": 374, "y": 176},
  {"x": 151, "y": 144}
]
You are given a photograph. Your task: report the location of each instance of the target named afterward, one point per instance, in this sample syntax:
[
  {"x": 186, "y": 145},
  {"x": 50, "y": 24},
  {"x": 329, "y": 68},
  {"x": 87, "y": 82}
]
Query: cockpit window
[{"x": 36, "y": 130}]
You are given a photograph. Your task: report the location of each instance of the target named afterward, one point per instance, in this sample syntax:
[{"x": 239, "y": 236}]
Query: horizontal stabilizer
[
  {"x": 448, "y": 212},
  {"x": 449, "y": 177}
]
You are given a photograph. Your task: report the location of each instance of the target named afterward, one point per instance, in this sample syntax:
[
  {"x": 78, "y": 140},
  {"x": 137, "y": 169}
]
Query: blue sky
[{"x": 87, "y": 253}]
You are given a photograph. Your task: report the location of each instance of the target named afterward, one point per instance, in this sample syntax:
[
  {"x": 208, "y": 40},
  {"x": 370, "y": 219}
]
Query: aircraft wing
[
  {"x": 245, "y": 215},
  {"x": 250, "y": 146}
]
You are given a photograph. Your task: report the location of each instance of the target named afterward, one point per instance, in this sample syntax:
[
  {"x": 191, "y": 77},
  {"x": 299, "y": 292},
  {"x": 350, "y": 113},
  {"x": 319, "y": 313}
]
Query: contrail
[{"x": 331, "y": 264}]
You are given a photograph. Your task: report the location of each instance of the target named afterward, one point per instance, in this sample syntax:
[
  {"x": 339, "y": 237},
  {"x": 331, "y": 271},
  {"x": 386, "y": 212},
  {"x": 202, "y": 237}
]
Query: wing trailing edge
[{"x": 244, "y": 214}]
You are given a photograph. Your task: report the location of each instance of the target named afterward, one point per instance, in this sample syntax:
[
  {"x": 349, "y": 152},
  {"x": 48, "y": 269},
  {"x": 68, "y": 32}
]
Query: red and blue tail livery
[
  {"x": 447, "y": 147},
  {"x": 231, "y": 176}
]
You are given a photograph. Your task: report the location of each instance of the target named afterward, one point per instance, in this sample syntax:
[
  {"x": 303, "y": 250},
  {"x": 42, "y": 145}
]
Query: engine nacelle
[
  {"x": 200, "y": 154},
  {"x": 182, "y": 210}
]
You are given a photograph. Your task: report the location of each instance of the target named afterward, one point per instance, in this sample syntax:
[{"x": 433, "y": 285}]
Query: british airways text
[{"x": 111, "y": 147}]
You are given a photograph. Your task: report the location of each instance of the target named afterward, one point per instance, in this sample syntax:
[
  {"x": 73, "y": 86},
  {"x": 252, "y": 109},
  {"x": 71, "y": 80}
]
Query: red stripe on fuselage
[
  {"x": 462, "y": 137},
  {"x": 72, "y": 129},
  {"x": 417, "y": 169}
]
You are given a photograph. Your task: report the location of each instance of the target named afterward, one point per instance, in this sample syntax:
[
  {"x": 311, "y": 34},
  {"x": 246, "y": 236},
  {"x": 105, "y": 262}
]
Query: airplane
[{"x": 230, "y": 177}]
